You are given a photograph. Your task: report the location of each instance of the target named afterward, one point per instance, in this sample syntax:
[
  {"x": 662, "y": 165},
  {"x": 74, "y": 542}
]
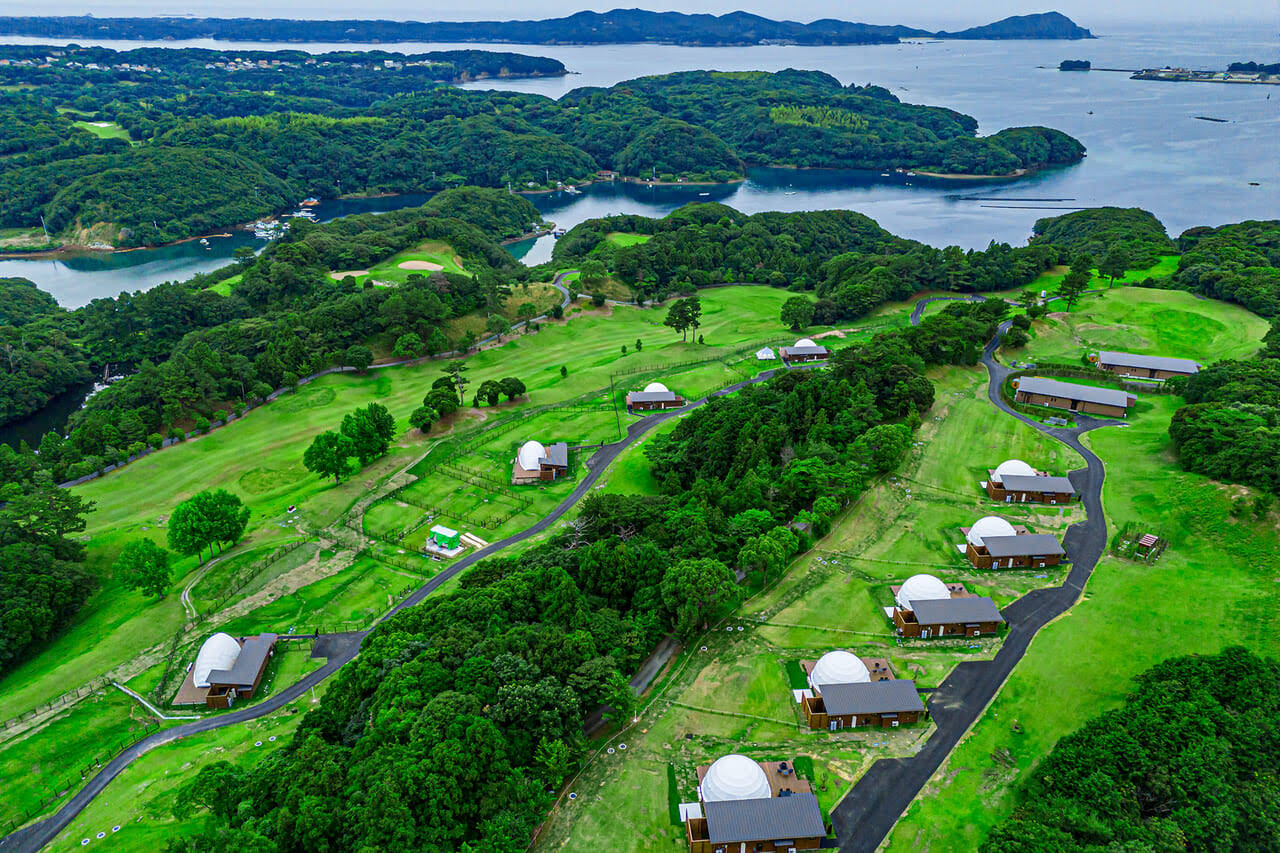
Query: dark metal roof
[
  {"x": 813, "y": 350},
  {"x": 1026, "y": 545},
  {"x": 1024, "y": 483},
  {"x": 244, "y": 671},
  {"x": 1148, "y": 362},
  {"x": 1072, "y": 391},
  {"x": 652, "y": 396},
  {"x": 765, "y": 819},
  {"x": 938, "y": 611},
  {"x": 895, "y": 696},
  {"x": 557, "y": 454}
]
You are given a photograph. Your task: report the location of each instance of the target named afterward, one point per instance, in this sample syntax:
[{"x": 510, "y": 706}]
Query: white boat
[
  {"x": 204, "y": 241},
  {"x": 704, "y": 193}
]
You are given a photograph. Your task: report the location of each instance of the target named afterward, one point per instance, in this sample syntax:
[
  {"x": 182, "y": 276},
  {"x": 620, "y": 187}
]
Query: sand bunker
[
  {"x": 339, "y": 276},
  {"x": 421, "y": 265}
]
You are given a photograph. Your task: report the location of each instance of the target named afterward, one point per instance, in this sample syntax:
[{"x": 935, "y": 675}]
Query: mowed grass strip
[{"x": 1215, "y": 586}]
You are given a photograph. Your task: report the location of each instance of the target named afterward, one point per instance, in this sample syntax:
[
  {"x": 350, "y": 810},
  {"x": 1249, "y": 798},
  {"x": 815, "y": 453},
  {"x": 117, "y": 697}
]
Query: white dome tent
[
  {"x": 219, "y": 652},
  {"x": 655, "y": 388},
  {"x": 1012, "y": 467},
  {"x": 530, "y": 453},
  {"x": 805, "y": 342},
  {"x": 991, "y": 525},
  {"x": 735, "y": 777},
  {"x": 921, "y": 588},
  {"x": 838, "y": 667}
]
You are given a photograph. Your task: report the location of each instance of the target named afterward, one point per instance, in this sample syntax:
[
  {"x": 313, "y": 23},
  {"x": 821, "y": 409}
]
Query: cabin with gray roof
[
  {"x": 1145, "y": 366},
  {"x": 1014, "y": 481},
  {"x": 1038, "y": 391},
  {"x": 804, "y": 350}
]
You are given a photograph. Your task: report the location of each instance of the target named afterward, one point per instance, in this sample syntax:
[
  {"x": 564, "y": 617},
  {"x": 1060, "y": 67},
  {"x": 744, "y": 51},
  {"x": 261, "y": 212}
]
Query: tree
[
  {"x": 678, "y": 317},
  {"x": 370, "y": 429},
  {"x": 422, "y": 418},
  {"x": 408, "y": 345},
  {"x": 597, "y": 299},
  {"x": 695, "y": 590},
  {"x": 1028, "y": 299},
  {"x": 512, "y": 387},
  {"x": 639, "y": 345},
  {"x": 1073, "y": 286},
  {"x": 497, "y": 325},
  {"x": 206, "y": 519},
  {"x": 1083, "y": 263},
  {"x": 330, "y": 455},
  {"x": 564, "y": 371},
  {"x": 883, "y": 446},
  {"x": 797, "y": 312},
  {"x": 143, "y": 565},
  {"x": 359, "y": 357},
  {"x": 456, "y": 371},
  {"x": 1114, "y": 264},
  {"x": 490, "y": 391},
  {"x": 761, "y": 554},
  {"x": 694, "y": 314}
]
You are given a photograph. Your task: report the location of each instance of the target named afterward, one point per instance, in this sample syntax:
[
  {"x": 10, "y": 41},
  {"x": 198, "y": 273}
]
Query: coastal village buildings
[
  {"x": 804, "y": 350},
  {"x": 925, "y": 607},
  {"x": 226, "y": 669},
  {"x": 993, "y": 543},
  {"x": 536, "y": 463},
  {"x": 847, "y": 691},
  {"x": 1014, "y": 481},
  {"x": 1145, "y": 366},
  {"x": 654, "y": 396},
  {"x": 745, "y": 805},
  {"x": 1038, "y": 391}
]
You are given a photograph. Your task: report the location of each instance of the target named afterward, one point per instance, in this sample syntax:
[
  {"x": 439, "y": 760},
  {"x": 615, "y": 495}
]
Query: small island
[
  {"x": 1237, "y": 72},
  {"x": 1075, "y": 65}
]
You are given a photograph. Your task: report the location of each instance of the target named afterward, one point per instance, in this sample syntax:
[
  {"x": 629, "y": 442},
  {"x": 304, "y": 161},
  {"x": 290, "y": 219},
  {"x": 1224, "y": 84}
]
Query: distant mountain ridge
[{"x": 620, "y": 26}]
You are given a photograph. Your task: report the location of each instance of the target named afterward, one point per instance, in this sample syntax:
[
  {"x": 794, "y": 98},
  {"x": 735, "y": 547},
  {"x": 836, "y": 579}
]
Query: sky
[{"x": 922, "y": 13}]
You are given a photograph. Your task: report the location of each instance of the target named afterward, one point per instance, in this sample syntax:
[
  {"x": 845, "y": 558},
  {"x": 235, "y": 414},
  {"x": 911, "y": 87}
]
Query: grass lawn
[
  {"x": 140, "y": 800},
  {"x": 105, "y": 130},
  {"x": 25, "y": 238},
  {"x": 37, "y": 766},
  {"x": 618, "y": 238},
  {"x": 1215, "y": 586},
  {"x": 1147, "y": 321},
  {"x": 224, "y": 287},
  {"x": 630, "y": 473}
]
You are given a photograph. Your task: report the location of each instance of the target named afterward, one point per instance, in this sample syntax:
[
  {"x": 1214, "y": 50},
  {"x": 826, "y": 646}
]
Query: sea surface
[{"x": 1147, "y": 148}]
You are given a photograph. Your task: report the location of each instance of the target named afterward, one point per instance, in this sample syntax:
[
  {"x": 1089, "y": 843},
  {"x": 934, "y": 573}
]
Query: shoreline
[{"x": 70, "y": 251}]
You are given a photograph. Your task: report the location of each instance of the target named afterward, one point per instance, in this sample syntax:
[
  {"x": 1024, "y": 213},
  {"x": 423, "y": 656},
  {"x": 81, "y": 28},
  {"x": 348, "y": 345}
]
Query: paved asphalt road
[
  {"x": 340, "y": 648},
  {"x": 864, "y": 818}
]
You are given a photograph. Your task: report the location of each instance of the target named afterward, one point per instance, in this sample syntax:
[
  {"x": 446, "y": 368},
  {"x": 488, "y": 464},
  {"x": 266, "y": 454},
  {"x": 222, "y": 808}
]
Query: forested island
[
  {"x": 220, "y": 138},
  {"x": 619, "y": 26}
]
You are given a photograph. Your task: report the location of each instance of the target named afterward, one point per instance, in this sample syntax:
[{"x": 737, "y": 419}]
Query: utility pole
[{"x": 613, "y": 398}]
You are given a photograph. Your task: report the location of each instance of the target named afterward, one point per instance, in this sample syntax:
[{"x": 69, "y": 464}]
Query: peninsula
[{"x": 619, "y": 26}]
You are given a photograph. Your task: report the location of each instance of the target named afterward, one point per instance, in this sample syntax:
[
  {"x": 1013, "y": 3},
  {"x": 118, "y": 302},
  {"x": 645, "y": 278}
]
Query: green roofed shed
[{"x": 445, "y": 537}]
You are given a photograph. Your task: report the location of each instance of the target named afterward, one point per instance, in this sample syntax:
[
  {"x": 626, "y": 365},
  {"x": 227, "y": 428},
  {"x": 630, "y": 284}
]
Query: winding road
[{"x": 867, "y": 814}]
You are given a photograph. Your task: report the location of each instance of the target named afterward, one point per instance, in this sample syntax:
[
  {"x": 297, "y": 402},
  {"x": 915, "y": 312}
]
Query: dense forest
[
  {"x": 273, "y": 127},
  {"x": 619, "y": 26},
  {"x": 1229, "y": 428},
  {"x": 1188, "y": 762},
  {"x": 849, "y": 262},
  {"x": 1097, "y": 231},
  {"x": 197, "y": 351},
  {"x": 460, "y": 716},
  {"x": 1239, "y": 263}
]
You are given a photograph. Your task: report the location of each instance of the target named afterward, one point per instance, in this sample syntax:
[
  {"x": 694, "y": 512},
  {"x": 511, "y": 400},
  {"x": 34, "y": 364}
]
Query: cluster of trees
[
  {"x": 684, "y": 315},
  {"x": 38, "y": 361},
  {"x": 1131, "y": 231},
  {"x": 460, "y": 716},
  {"x": 269, "y": 135},
  {"x": 1186, "y": 763},
  {"x": 1239, "y": 263},
  {"x": 213, "y": 518},
  {"x": 850, "y": 263},
  {"x": 42, "y": 578},
  {"x": 365, "y": 434},
  {"x": 1229, "y": 428}
]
